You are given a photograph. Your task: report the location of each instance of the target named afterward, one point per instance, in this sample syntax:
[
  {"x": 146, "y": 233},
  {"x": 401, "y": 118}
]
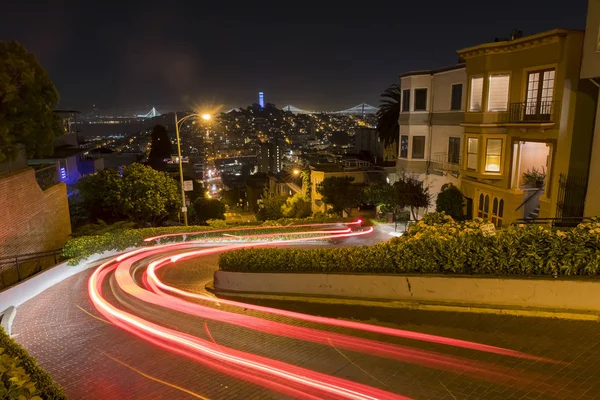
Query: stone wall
[{"x": 31, "y": 219}]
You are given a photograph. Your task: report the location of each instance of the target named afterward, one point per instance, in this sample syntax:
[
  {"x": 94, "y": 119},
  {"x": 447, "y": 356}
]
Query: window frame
[
  {"x": 415, "y": 99},
  {"x": 489, "y": 92},
  {"x": 405, "y": 100},
  {"x": 452, "y": 97},
  {"x": 412, "y": 148},
  {"x": 406, "y": 149},
  {"x": 487, "y": 144},
  {"x": 471, "y": 109},
  {"x": 476, "y": 153},
  {"x": 453, "y": 157}
]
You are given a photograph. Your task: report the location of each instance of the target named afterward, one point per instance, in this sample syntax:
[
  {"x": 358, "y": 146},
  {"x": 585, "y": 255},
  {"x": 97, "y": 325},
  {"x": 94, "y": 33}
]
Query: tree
[
  {"x": 411, "y": 193},
  {"x": 209, "y": 209},
  {"x": 341, "y": 193},
  {"x": 27, "y": 100},
  {"x": 140, "y": 194},
  {"x": 271, "y": 208},
  {"x": 381, "y": 194},
  {"x": 160, "y": 147},
  {"x": 450, "y": 200},
  {"x": 388, "y": 114},
  {"x": 101, "y": 195},
  {"x": 297, "y": 206},
  {"x": 148, "y": 195}
]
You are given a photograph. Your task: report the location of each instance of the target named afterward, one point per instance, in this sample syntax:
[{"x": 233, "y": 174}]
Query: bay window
[{"x": 493, "y": 155}]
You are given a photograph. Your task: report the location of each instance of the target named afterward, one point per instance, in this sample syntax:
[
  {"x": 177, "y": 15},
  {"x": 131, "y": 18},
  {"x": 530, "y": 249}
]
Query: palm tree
[{"x": 387, "y": 115}]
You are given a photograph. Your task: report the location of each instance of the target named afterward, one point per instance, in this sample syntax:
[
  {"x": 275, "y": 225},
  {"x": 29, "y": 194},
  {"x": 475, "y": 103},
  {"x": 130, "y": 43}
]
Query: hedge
[
  {"x": 439, "y": 245},
  {"x": 79, "y": 248},
  {"x": 46, "y": 388}
]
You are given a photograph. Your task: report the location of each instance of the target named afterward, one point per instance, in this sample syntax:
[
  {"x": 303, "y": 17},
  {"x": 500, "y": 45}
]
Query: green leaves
[
  {"x": 439, "y": 245},
  {"x": 20, "y": 376},
  {"x": 27, "y": 101}
]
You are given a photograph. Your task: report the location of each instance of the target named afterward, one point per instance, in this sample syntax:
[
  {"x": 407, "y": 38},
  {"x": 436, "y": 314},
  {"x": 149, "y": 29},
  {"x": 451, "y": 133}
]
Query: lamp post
[{"x": 206, "y": 117}]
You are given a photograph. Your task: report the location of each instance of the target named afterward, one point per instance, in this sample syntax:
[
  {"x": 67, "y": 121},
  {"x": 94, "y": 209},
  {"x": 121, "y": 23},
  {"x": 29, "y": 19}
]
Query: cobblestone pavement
[{"x": 93, "y": 359}]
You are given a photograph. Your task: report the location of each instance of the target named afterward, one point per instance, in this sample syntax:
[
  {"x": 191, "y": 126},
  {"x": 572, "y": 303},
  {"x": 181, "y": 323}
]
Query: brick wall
[{"x": 31, "y": 220}]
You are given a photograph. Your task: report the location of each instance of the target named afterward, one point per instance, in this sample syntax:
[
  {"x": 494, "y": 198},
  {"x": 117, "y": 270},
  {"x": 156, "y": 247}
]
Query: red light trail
[{"x": 273, "y": 374}]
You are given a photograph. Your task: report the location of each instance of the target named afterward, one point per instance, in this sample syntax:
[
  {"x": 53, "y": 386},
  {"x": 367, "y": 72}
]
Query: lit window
[
  {"x": 493, "y": 155},
  {"x": 476, "y": 93},
  {"x": 473, "y": 144},
  {"x": 404, "y": 146},
  {"x": 498, "y": 92}
]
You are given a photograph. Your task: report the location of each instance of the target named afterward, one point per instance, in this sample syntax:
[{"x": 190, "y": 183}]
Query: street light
[{"x": 206, "y": 117}]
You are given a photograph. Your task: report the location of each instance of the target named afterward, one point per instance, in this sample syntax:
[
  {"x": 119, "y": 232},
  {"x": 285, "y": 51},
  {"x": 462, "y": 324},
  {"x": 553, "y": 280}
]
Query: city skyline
[{"x": 330, "y": 58}]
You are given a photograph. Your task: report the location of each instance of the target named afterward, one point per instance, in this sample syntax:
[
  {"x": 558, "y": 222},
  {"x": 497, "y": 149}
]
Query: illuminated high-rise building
[{"x": 261, "y": 99}]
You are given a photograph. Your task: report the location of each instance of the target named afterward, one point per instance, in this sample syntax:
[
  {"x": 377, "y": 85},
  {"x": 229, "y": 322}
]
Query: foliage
[
  {"x": 231, "y": 197},
  {"x": 27, "y": 101},
  {"x": 450, "y": 200},
  {"x": 140, "y": 194},
  {"x": 271, "y": 208},
  {"x": 306, "y": 184},
  {"x": 101, "y": 227},
  {"x": 388, "y": 114},
  {"x": 341, "y": 193},
  {"x": 209, "y": 209},
  {"x": 15, "y": 361},
  {"x": 101, "y": 195},
  {"x": 147, "y": 195},
  {"x": 534, "y": 177},
  {"x": 296, "y": 206},
  {"x": 381, "y": 194},
  {"x": 160, "y": 147},
  {"x": 79, "y": 248},
  {"x": 411, "y": 193},
  {"x": 438, "y": 244}
]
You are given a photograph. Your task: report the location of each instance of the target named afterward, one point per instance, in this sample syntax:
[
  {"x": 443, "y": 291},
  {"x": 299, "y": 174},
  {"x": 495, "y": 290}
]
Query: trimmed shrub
[
  {"x": 439, "y": 245},
  {"x": 79, "y": 248},
  {"x": 17, "y": 362}
]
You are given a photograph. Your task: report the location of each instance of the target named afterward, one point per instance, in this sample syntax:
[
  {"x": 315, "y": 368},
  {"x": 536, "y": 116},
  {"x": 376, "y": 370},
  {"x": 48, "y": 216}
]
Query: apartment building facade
[
  {"x": 432, "y": 107},
  {"x": 528, "y": 128},
  {"x": 590, "y": 69}
]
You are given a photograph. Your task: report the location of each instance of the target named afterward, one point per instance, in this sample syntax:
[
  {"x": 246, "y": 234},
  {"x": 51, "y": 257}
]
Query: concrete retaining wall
[{"x": 583, "y": 296}]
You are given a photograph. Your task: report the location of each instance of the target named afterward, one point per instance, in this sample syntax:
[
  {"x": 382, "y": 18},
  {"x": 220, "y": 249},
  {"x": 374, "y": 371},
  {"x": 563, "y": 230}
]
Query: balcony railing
[
  {"x": 531, "y": 112},
  {"x": 447, "y": 162}
]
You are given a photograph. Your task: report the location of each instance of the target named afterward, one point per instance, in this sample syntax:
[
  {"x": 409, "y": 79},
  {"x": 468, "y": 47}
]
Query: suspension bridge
[
  {"x": 360, "y": 109},
  {"x": 150, "y": 114}
]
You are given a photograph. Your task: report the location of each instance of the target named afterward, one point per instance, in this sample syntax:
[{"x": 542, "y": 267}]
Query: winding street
[{"x": 141, "y": 326}]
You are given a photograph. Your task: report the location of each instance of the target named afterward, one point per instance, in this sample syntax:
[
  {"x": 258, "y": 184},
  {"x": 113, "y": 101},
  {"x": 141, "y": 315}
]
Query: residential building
[
  {"x": 431, "y": 112},
  {"x": 72, "y": 161},
  {"x": 528, "y": 128},
  {"x": 366, "y": 140},
  {"x": 361, "y": 171},
  {"x": 283, "y": 184},
  {"x": 269, "y": 157},
  {"x": 590, "y": 69}
]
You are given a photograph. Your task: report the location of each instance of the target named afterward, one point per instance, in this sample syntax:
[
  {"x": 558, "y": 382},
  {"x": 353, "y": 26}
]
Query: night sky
[{"x": 320, "y": 56}]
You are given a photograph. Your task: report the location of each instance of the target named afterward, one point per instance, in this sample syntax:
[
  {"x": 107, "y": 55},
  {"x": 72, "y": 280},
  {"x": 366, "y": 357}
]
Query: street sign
[
  {"x": 488, "y": 229},
  {"x": 188, "y": 186},
  {"x": 183, "y": 209}
]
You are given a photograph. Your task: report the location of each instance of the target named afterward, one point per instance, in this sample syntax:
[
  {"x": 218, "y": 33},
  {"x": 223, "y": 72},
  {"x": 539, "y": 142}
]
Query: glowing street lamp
[{"x": 178, "y": 122}]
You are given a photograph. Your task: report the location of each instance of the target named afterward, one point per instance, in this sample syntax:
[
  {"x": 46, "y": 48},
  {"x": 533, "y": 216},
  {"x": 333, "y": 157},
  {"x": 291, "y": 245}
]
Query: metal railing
[
  {"x": 446, "y": 161},
  {"x": 531, "y": 112},
  {"x": 562, "y": 222},
  {"x": 14, "y": 269}
]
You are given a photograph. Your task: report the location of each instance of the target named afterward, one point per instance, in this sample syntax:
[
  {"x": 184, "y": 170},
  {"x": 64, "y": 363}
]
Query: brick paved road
[{"x": 77, "y": 349}]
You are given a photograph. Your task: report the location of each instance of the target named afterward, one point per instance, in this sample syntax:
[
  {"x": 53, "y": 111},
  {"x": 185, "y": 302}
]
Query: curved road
[{"x": 417, "y": 357}]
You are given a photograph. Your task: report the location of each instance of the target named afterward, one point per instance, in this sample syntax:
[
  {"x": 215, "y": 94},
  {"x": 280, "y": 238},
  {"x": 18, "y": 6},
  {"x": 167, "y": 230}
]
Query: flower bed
[{"x": 439, "y": 245}]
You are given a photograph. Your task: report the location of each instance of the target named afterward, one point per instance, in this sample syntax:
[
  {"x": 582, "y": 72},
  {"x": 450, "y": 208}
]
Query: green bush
[
  {"x": 439, "y": 245},
  {"x": 79, "y": 248},
  {"x": 32, "y": 381}
]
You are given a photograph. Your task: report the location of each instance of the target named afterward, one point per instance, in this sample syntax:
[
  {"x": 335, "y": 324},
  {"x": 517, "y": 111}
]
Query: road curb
[
  {"x": 8, "y": 316},
  {"x": 412, "y": 305}
]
